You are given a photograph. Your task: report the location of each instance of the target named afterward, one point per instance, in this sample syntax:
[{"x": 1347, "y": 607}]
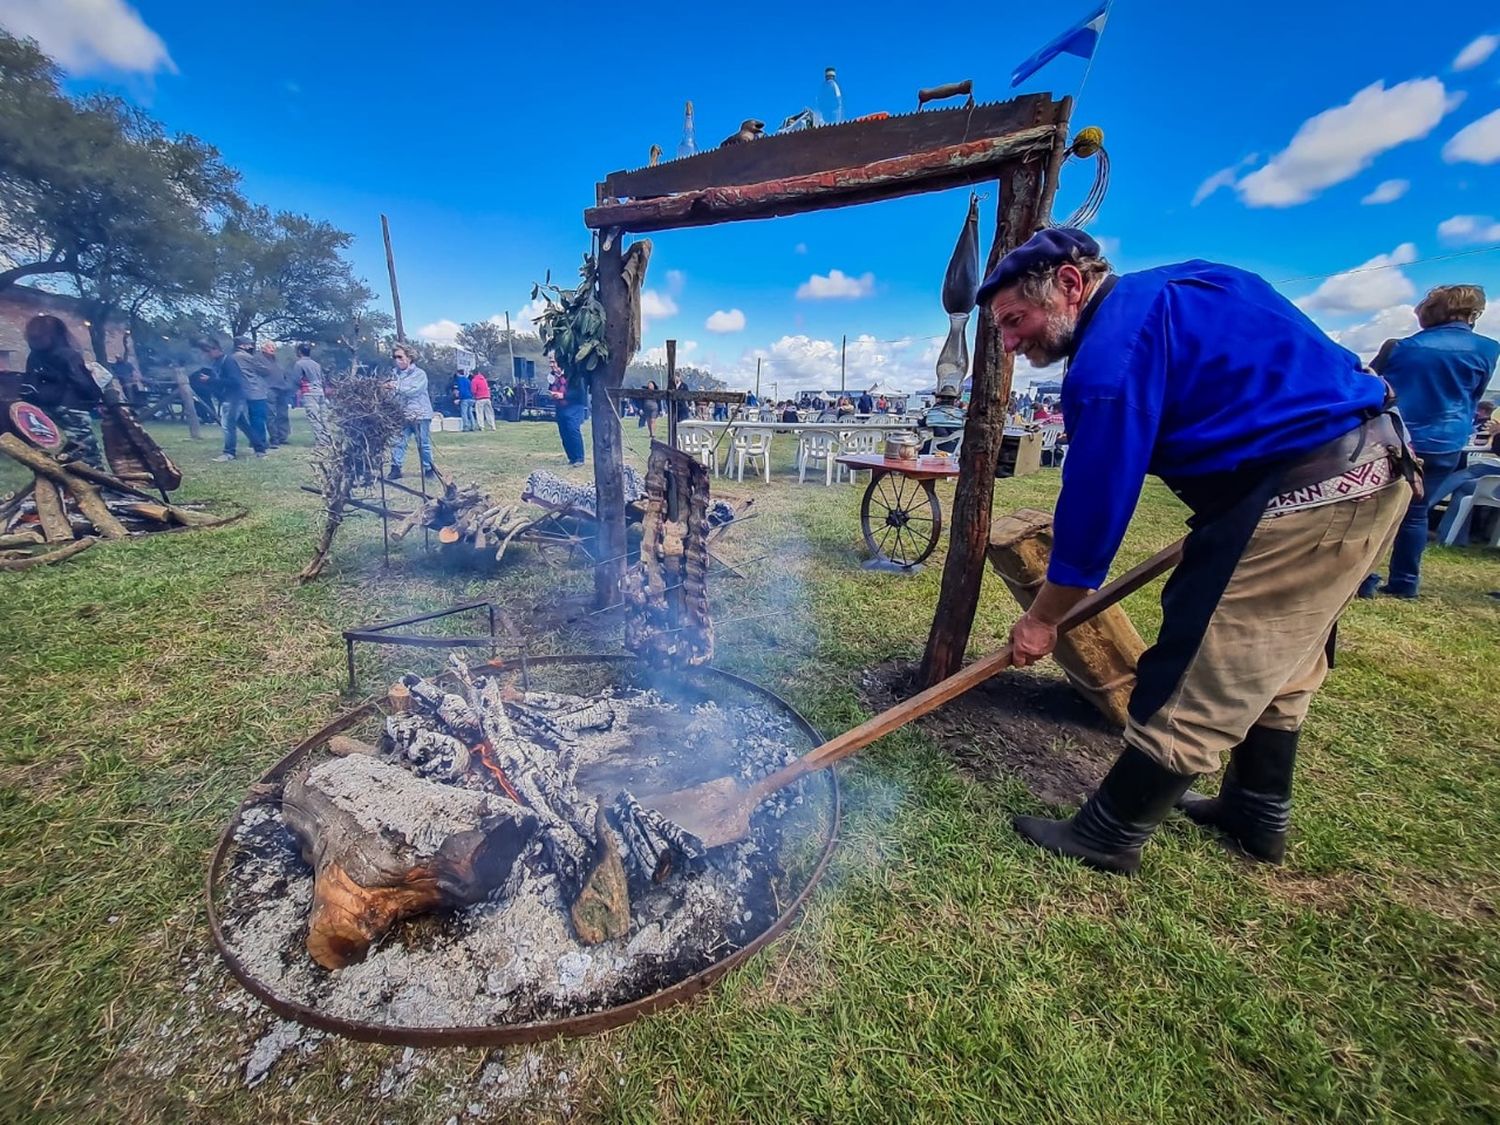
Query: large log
[
  {"x": 1099, "y": 656},
  {"x": 51, "y": 512},
  {"x": 385, "y": 844},
  {"x": 87, "y": 497}
]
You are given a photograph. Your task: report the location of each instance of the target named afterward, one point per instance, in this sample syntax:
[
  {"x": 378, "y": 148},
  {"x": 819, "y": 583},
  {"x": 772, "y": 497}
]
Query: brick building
[{"x": 20, "y": 303}]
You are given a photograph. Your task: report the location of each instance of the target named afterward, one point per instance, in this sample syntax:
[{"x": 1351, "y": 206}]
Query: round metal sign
[{"x": 32, "y": 423}]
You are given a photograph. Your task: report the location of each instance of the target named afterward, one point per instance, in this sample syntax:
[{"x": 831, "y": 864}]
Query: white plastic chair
[
  {"x": 950, "y": 444},
  {"x": 860, "y": 441},
  {"x": 1486, "y": 495},
  {"x": 754, "y": 447},
  {"x": 700, "y": 447},
  {"x": 818, "y": 446}
]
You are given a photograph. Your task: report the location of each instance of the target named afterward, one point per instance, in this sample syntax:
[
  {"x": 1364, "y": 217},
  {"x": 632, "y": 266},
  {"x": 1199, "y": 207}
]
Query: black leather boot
[
  {"x": 1254, "y": 805},
  {"x": 1107, "y": 833}
]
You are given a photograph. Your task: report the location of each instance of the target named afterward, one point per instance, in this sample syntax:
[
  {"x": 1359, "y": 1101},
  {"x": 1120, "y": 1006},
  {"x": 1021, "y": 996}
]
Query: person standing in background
[
  {"x": 570, "y": 398},
  {"x": 1438, "y": 375},
  {"x": 411, "y": 389},
  {"x": 58, "y": 381},
  {"x": 463, "y": 392},
  {"x": 242, "y": 395},
  {"x": 278, "y": 396},
  {"x": 308, "y": 373},
  {"x": 484, "y": 406}
]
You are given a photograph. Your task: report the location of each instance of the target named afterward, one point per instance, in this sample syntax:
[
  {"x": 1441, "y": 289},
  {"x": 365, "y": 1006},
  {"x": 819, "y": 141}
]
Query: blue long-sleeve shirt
[
  {"x": 1184, "y": 371},
  {"x": 1439, "y": 375}
]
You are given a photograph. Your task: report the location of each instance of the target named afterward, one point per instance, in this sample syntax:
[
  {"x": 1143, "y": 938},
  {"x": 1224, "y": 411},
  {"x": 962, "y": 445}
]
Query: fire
[{"x": 486, "y": 754}]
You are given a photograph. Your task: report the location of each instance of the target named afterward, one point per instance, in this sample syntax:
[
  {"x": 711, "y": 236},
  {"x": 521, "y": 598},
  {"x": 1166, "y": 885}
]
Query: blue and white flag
[{"x": 1081, "y": 39}]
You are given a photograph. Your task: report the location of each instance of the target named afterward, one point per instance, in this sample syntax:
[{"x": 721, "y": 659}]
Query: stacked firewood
[
  {"x": 469, "y": 515},
  {"x": 68, "y": 505}
]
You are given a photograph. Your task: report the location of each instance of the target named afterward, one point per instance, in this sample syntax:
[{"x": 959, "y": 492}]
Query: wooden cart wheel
[{"x": 901, "y": 518}]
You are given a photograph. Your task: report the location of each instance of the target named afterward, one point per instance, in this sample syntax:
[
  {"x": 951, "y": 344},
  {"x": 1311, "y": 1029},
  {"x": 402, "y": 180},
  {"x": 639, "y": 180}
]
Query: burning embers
[
  {"x": 471, "y": 855},
  {"x": 463, "y": 786}
]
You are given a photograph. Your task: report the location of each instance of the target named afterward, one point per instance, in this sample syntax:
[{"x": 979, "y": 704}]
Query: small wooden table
[{"x": 900, "y": 514}]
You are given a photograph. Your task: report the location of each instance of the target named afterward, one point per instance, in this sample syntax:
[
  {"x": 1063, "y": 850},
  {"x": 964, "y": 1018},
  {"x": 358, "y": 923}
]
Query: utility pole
[
  {"x": 390, "y": 265},
  {"x": 510, "y": 342},
  {"x": 843, "y": 351},
  {"x": 757, "y": 378}
]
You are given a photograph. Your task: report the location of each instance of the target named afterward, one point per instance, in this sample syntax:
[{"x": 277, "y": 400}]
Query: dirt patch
[
  {"x": 1024, "y": 723},
  {"x": 1333, "y": 893}
]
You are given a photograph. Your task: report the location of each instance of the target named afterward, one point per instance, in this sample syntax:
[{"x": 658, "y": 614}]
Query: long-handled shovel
[{"x": 718, "y": 811}]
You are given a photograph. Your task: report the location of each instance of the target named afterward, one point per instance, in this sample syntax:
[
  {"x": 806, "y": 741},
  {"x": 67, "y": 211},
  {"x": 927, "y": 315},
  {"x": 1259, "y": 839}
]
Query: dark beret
[
  {"x": 1048, "y": 247},
  {"x": 243, "y": 342}
]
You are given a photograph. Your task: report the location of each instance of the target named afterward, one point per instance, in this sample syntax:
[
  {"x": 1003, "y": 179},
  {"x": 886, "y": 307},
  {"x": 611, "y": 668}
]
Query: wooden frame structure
[{"x": 1020, "y": 144}]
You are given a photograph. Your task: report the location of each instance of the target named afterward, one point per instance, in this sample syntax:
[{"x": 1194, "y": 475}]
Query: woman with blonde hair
[{"x": 1438, "y": 375}]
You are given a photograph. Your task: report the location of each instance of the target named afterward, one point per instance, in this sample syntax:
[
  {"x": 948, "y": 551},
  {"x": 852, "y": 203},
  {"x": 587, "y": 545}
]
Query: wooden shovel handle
[{"x": 836, "y": 749}]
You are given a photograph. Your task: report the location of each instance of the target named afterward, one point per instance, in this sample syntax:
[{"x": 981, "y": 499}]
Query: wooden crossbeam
[{"x": 931, "y": 170}]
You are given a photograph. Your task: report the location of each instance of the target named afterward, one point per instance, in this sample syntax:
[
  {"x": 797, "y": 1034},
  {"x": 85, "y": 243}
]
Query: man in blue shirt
[
  {"x": 1277, "y": 440},
  {"x": 1438, "y": 375}
]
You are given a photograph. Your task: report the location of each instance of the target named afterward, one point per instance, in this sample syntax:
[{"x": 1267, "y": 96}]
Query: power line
[{"x": 1391, "y": 265}]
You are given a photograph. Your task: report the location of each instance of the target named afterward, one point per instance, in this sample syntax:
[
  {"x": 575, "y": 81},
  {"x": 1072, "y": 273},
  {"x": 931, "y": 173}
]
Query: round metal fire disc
[
  {"x": 802, "y": 850},
  {"x": 33, "y": 424}
]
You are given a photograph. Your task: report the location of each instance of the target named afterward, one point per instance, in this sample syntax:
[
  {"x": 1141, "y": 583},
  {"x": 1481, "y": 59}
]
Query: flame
[{"x": 486, "y": 754}]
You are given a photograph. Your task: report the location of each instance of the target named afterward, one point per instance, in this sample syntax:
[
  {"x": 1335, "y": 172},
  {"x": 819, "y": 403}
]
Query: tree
[
  {"x": 486, "y": 340},
  {"x": 284, "y": 275},
  {"x": 95, "y": 189}
]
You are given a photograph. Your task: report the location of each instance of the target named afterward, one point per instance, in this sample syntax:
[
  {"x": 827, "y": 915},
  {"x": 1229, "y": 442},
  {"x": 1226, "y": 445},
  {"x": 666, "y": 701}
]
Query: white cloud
[
  {"x": 1477, "y": 142},
  {"x": 1224, "y": 177},
  {"x": 837, "y": 284},
  {"x": 1387, "y": 191},
  {"x": 89, "y": 36},
  {"x": 1338, "y": 143},
  {"x": 1372, "y": 285},
  {"x": 1476, "y": 52},
  {"x": 1365, "y": 338},
  {"x": 656, "y": 306},
  {"x": 1469, "y": 229},
  {"x": 658, "y": 354},
  {"x": 676, "y": 279},
  {"x": 443, "y": 331},
  {"x": 721, "y": 321},
  {"x": 523, "y": 320}
]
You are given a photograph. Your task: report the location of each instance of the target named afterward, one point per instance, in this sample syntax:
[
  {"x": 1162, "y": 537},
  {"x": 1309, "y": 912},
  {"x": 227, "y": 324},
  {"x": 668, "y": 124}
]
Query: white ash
[
  {"x": 382, "y": 796},
  {"x": 514, "y": 958}
]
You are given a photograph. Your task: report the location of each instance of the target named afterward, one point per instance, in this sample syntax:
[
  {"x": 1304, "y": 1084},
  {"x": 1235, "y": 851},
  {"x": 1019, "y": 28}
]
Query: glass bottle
[
  {"x": 688, "y": 147},
  {"x": 830, "y": 100}
]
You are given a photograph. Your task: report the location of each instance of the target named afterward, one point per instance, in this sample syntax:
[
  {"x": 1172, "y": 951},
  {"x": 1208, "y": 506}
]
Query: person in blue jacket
[
  {"x": 1284, "y": 450},
  {"x": 1439, "y": 375}
]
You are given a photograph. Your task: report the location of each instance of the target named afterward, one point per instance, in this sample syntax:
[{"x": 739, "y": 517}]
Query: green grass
[{"x": 943, "y": 972}]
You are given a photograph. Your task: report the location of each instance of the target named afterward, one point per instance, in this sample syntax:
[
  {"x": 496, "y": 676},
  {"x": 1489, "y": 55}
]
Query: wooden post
[
  {"x": 1021, "y": 191},
  {"x": 390, "y": 265},
  {"x": 189, "y": 404},
  {"x": 672, "y": 389},
  {"x": 1098, "y": 656},
  {"x": 609, "y": 442}
]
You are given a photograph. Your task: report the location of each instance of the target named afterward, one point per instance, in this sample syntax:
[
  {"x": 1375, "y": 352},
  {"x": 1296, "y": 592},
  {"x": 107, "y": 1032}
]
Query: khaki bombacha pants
[{"x": 1263, "y": 655}]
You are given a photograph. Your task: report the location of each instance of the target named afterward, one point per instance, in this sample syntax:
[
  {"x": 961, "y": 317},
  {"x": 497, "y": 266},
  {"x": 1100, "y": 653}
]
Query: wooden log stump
[
  {"x": 385, "y": 844},
  {"x": 1099, "y": 656}
]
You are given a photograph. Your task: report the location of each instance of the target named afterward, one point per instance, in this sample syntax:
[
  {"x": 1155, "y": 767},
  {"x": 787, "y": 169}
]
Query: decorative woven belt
[{"x": 1352, "y": 484}]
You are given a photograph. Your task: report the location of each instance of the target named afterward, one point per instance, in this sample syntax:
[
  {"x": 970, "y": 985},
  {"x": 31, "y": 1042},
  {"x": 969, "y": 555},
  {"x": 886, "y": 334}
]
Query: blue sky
[{"x": 480, "y": 129}]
